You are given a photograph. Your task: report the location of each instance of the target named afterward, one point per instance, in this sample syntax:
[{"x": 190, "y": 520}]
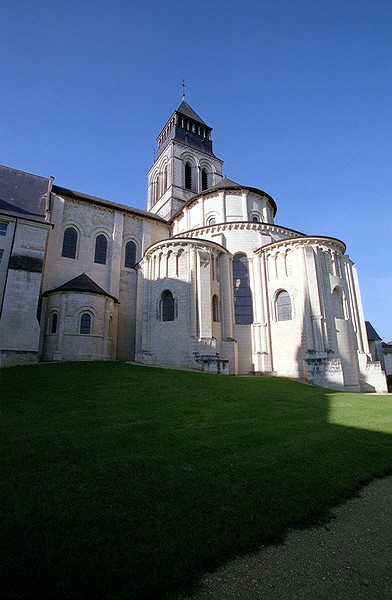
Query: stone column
[
  {"x": 139, "y": 322},
  {"x": 222, "y": 206},
  {"x": 226, "y": 278},
  {"x": 193, "y": 321},
  {"x": 312, "y": 292},
  {"x": 244, "y": 199},
  {"x": 105, "y": 337},
  {"x": 204, "y": 295},
  {"x": 260, "y": 350},
  {"x": 148, "y": 310},
  {"x": 356, "y": 306},
  {"x": 58, "y": 353},
  {"x": 265, "y": 319}
]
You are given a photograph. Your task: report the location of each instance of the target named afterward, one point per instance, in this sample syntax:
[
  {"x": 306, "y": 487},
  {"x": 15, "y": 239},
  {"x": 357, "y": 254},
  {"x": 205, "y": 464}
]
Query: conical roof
[
  {"x": 81, "y": 283},
  {"x": 225, "y": 183}
]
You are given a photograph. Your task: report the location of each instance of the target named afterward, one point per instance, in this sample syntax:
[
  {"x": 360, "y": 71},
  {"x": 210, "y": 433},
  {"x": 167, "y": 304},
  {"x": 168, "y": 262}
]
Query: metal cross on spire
[{"x": 183, "y": 89}]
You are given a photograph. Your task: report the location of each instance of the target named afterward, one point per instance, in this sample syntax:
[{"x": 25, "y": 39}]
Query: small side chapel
[{"x": 203, "y": 279}]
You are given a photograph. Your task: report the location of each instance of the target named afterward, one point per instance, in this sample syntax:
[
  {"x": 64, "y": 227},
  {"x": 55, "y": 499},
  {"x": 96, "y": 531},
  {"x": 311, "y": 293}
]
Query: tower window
[
  {"x": 243, "y": 309},
  {"x": 165, "y": 178},
  {"x": 101, "y": 246},
  {"x": 204, "y": 180},
  {"x": 3, "y": 228},
  {"x": 283, "y": 308},
  {"x": 130, "y": 255},
  {"x": 188, "y": 176},
  {"x": 70, "y": 241}
]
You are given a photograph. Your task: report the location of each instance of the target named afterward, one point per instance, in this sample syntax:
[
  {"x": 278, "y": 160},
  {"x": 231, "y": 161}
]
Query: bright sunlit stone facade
[{"x": 204, "y": 279}]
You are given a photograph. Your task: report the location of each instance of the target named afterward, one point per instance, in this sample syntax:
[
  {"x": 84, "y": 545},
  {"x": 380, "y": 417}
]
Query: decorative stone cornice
[
  {"x": 327, "y": 242},
  {"x": 166, "y": 245},
  {"x": 240, "y": 225}
]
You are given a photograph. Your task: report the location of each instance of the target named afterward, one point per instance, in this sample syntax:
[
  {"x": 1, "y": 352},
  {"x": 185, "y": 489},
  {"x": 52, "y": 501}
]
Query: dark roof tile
[
  {"x": 81, "y": 283},
  {"x": 188, "y": 111},
  {"x": 23, "y": 194}
]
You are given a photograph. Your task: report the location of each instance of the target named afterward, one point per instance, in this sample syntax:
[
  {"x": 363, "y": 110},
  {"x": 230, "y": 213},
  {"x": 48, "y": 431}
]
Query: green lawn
[{"x": 123, "y": 481}]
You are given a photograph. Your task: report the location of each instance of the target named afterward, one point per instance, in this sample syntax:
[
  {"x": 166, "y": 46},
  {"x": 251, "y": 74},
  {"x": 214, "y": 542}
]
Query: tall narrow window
[
  {"x": 53, "y": 323},
  {"x": 1, "y": 254},
  {"x": 70, "y": 241},
  {"x": 188, "y": 176},
  {"x": 101, "y": 247},
  {"x": 85, "y": 323},
  {"x": 243, "y": 309},
  {"x": 3, "y": 228},
  {"x": 338, "y": 306},
  {"x": 130, "y": 255},
  {"x": 165, "y": 178},
  {"x": 204, "y": 179},
  {"x": 167, "y": 306},
  {"x": 283, "y": 308},
  {"x": 215, "y": 309}
]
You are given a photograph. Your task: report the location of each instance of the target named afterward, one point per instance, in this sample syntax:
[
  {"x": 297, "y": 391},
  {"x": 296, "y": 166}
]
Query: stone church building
[{"x": 203, "y": 279}]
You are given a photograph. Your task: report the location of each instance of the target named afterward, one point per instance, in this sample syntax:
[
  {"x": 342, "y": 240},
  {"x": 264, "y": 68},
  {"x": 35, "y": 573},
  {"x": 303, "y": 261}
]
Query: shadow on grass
[{"x": 123, "y": 481}]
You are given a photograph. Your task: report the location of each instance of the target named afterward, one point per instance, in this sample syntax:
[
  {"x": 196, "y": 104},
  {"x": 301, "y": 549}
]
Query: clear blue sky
[{"x": 298, "y": 92}]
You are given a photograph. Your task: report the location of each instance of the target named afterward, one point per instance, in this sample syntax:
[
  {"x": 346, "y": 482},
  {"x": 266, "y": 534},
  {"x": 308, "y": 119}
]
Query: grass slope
[{"x": 124, "y": 481}]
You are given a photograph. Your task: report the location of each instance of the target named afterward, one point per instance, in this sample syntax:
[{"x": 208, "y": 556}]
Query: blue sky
[{"x": 298, "y": 93}]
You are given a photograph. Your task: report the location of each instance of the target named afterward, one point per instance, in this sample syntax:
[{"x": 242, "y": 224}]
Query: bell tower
[{"x": 185, "y": 164}]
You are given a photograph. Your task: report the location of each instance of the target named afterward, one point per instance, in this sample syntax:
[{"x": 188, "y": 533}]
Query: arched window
[
  {"x": 53, "y": 322},
  {"x": 167, "y": 306},
  {"x": 338, "y": 307},
  {"x": 204, "y": 179},
  {"x": 130, "y": 255},
  {"x": 255, "y": 219},
  {"x": 283, "y": 308},
  {"x": 243, "y": 309},
  {"x": 70, "y": 241},
  {"x": 155, "y": 188},
  {"x": 101, "y": 246},
  {"x": 85, "y": 323},
  {"x": 165, "y": 178},
  {"x": 212, "y": 221},
  {"x": 215, "y": 309},
  {"x": 188, "y": 176}
]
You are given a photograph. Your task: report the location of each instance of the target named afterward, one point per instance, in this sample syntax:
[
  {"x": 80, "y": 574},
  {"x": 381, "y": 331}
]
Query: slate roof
[
  {"x": 23, "y": 194},
  {"x": 371, "y": 333},
  {"x": 225, "y": 183},
  {"x": 107, "y": 203},
  {"x": 228, "y": 184},
  {"x": 188, "y": 111},
  {"x": 81, "y": 283}
]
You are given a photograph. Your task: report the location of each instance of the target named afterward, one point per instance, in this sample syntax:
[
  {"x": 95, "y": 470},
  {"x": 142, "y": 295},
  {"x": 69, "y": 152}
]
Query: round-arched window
[{"x": 283, "y": 307}]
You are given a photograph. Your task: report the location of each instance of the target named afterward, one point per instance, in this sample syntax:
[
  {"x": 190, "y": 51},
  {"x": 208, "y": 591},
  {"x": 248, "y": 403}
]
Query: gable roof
[{"x": 81, "y": 283}]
